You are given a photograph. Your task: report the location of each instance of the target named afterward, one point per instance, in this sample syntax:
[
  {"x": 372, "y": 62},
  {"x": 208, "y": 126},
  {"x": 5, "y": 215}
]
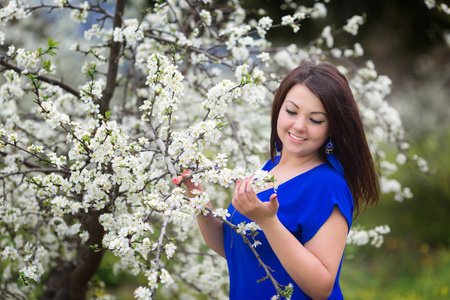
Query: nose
[{"x": 300, "y": 124}]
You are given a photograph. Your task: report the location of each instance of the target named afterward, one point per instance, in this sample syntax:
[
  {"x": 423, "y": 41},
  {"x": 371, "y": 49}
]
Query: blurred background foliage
[{"x": 406, "y": 41}]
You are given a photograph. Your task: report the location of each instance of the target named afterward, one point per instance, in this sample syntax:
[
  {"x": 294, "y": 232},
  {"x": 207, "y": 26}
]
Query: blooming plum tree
[{"x": 87, "y": 155}]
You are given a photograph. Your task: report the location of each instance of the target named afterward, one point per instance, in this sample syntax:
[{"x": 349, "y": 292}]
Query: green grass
[{"x": 399, "y": 272}]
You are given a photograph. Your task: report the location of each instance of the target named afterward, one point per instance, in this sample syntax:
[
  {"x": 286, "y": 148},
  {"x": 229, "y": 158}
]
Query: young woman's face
[{"x": 302, "y": 123}]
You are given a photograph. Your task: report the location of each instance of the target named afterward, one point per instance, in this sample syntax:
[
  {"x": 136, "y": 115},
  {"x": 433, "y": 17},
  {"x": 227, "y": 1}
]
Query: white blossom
[
  {"x": 362, "y": 237},
  {"x": 445, "y": 8},
  {"x": 353, "y": 24},
  {"x": 358, "y": 50},
  {"x": 264, "y": 24},
  {"x": 14, "y": 10},
  {"x": 27, "y": 59},
  {"x": 430, "y": 3},
  {"x": 388, "y": 167},
  {"x": 336, "y": 52},
  {"x": 326, "y": 34},
  {"x": 401, "y": 158},
  {"x": 319, "y": 11},
  {"x": 165, "y": 277},
  {"x": 131, "y": 33},
  {"x": 60, "y": 3},
  {"x": 260, "y": 180},
  {"x": 142, "y": 293},
  {"x": 287, "y": 20},
  {"x": 422, "y": 164},
  {"x": 80, "y": 15},
  {"x": 206, "y": 16},
  {"x": 245, "y": 228},
  {"x": 170, "y": 249},
  {"x": 221, "y": 213}
]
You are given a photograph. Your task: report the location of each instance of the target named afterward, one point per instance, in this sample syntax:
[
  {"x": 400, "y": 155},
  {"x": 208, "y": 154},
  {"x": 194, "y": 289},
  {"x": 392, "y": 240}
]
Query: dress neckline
[{"x": 293, "y": 178}]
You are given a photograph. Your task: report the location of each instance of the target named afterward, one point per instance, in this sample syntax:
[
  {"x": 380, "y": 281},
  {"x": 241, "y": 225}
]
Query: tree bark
[
  {"x": 113, "y": 61},
  {"x": 57, "y": 286},
  {"x": 69, "y": 281}
]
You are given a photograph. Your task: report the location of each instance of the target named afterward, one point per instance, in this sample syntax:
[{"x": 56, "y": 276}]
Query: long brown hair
[{"x": 351, "y": 148}]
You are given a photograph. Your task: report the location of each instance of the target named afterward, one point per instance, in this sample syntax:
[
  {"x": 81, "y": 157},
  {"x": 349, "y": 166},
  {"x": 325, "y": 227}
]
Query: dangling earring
[
  {"x": 329, "y": 147},
  {"x": 278, "y": 145},
  {"x": 332, "y": 159}
]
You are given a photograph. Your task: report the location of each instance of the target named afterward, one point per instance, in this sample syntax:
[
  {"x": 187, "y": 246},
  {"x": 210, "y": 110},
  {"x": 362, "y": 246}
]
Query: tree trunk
[{"x": 69, "y": 281}]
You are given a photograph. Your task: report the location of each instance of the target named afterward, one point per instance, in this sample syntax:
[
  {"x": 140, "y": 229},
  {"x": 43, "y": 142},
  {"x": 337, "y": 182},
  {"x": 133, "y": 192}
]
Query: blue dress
[{"x": 306, "y": 201}]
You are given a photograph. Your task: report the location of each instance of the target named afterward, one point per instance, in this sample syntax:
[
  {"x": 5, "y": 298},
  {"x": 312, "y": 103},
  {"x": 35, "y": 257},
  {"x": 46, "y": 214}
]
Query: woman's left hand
[{"x": 248, "y": 204}]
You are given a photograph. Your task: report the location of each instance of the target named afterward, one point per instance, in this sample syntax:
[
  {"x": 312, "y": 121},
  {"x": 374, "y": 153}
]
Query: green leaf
[
  {"x": 108, "y": 114},
  {"x": 52, "y": 43}
]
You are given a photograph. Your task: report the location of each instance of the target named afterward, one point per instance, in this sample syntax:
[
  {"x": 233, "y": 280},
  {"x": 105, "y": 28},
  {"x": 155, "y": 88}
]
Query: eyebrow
[{"x": 313, "y": 113}]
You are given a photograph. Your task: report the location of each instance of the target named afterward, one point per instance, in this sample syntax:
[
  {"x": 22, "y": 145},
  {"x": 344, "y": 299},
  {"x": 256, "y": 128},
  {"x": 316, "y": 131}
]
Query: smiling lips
[{"x": 296, "y": 137}]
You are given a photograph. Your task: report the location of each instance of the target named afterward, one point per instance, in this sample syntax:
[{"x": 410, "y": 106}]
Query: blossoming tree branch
[{"x": 91, "y": 137}]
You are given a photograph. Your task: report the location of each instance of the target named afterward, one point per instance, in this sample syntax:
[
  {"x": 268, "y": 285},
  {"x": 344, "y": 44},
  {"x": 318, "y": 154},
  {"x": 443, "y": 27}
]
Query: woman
[{"x": 304, "y": 222}]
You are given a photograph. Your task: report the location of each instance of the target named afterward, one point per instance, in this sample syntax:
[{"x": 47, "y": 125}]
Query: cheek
[
  {"x": 326, "y": 130},
  {"x": 323, "y": 134}
]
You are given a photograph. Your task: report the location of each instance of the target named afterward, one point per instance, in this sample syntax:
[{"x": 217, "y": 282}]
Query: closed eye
[
  {"x": 316, "y": 121},
  {"x": 290, "y": 111}
]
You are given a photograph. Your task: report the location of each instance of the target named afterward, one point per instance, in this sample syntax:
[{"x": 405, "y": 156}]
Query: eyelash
[
  {"x": 294, "y": 113},
  {"x": 290, "y": 112}
]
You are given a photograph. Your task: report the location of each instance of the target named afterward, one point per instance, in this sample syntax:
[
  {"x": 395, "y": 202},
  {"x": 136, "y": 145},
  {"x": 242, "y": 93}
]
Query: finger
[
  {"x": 249, "y": 188},
  {"x": 273, "y": 203},
  {"x": 186, "y": 179},
  {"x": 274, "y": 198},
  {"x": 244, "y": 185},
  {"x": 186, "y": 173},
  {"x": 177, "y": 180},
  {"x": 236, "y": 193},
  {"x": 182, "y": 179}
]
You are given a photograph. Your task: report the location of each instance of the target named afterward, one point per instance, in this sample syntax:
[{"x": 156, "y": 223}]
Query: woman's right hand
[{"x": 190, "y": 186}]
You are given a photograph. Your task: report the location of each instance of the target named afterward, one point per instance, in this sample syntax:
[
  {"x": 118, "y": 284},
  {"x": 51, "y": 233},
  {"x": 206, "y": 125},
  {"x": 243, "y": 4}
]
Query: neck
[
  {"x": 291, "y": 166},
  {"x": 300, "y": 162}
]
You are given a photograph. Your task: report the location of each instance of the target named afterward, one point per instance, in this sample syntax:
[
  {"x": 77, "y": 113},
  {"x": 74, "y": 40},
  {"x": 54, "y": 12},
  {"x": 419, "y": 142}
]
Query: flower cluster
[
  {"x": 247, "y": 228},
  {"x": 353, "y": 24},
  {"x": 11, "y": 89},
  {"x": 166, "y": 83},
  {"x": 16, "y": 9},
  {"x": 131, "y": 33},
  {"x": 361, "y": 237},
  {"x": 27, "y": 59},
  {"x": 79, "y": 15},
  {"x": 218, "y": 98},
  {"x": 263, "y": 25},
  {"x": 261, "y": 179}
]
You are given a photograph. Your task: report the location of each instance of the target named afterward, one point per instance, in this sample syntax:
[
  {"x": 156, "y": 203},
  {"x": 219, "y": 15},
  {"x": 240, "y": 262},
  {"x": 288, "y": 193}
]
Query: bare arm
[
  {"x": 313, "y": 266},
  {"x": 211, "y": 228},
  {"x": 212, "y": 232}
]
